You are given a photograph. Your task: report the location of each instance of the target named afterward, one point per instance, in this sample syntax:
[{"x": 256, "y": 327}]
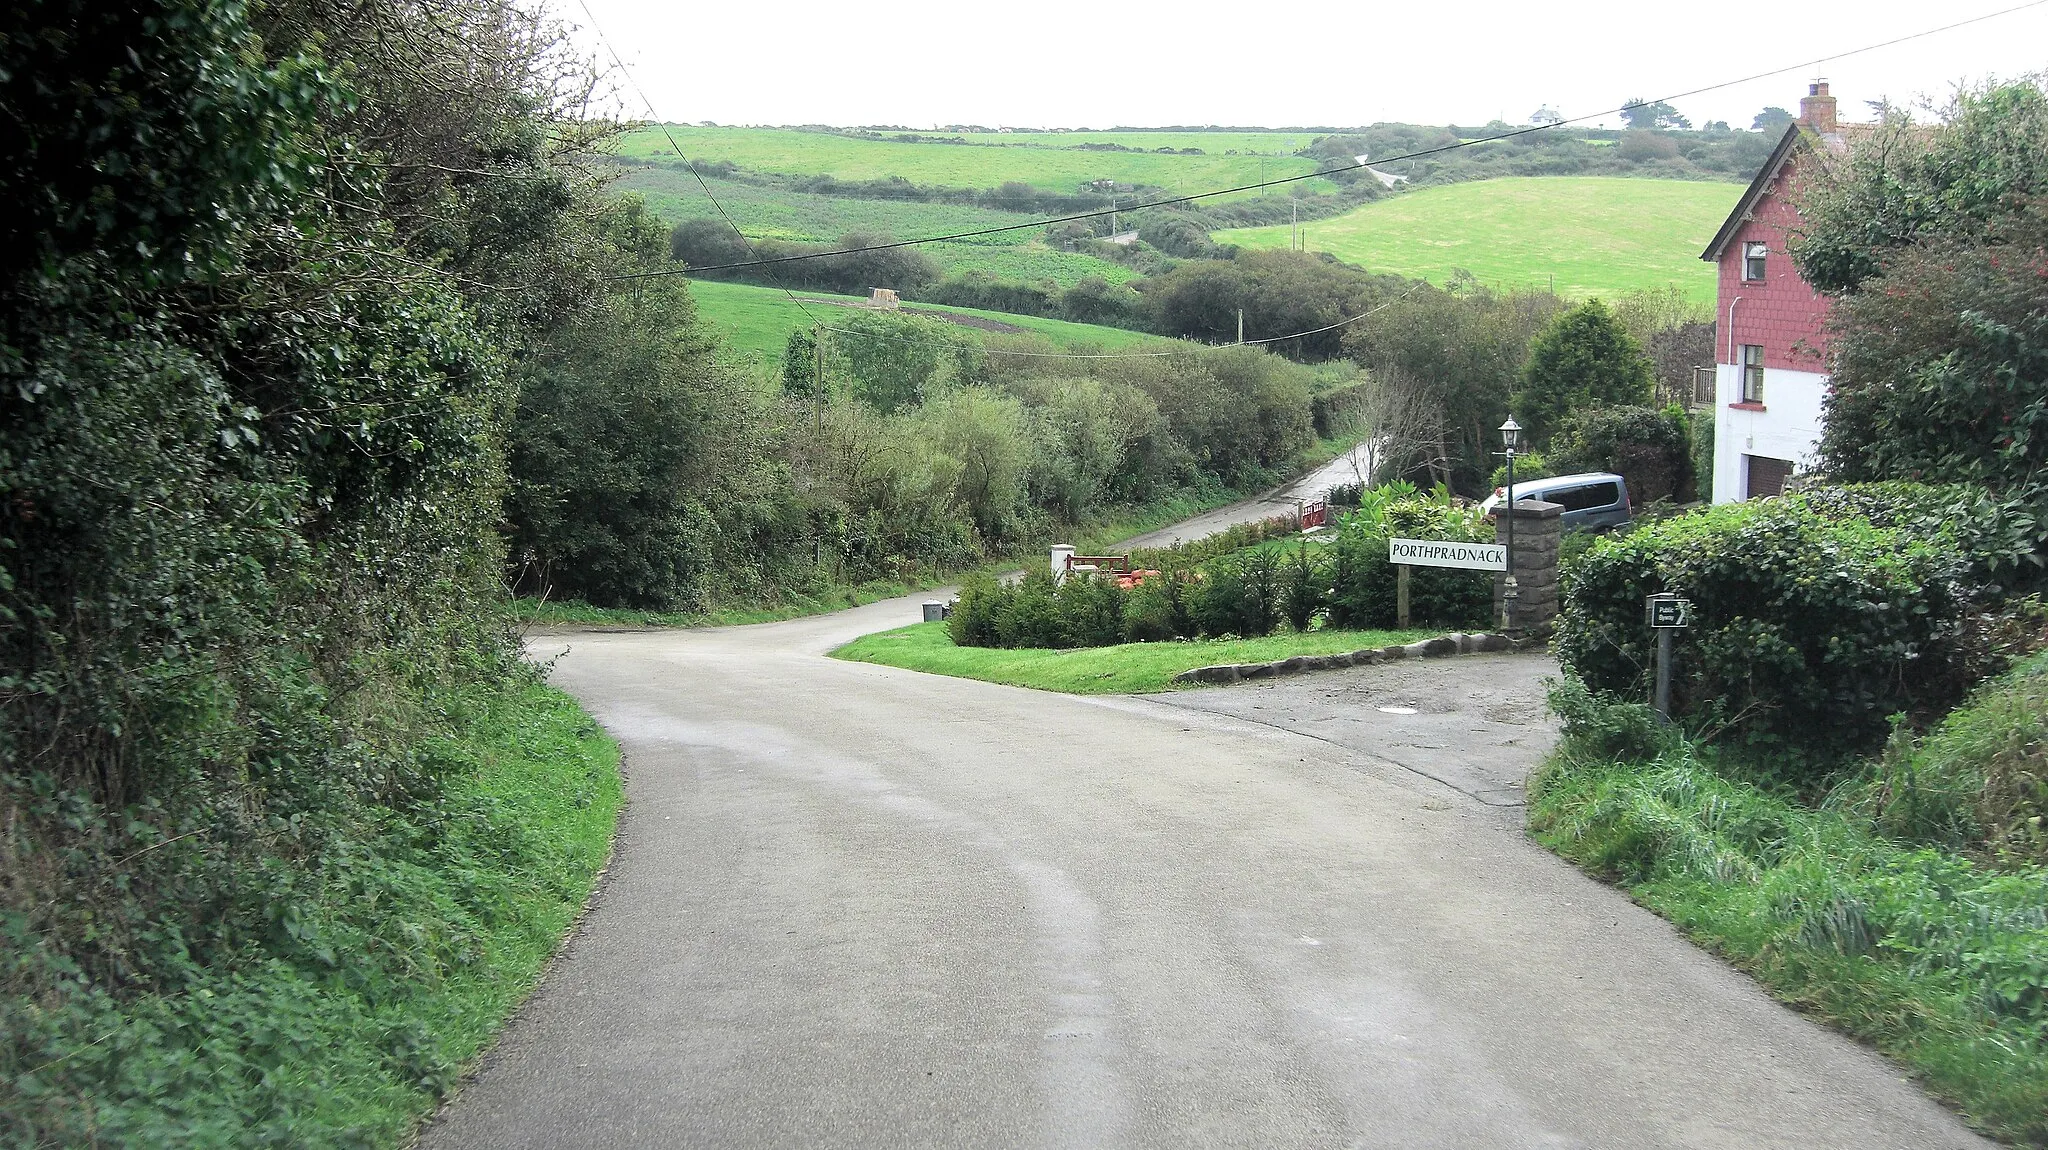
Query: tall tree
[{"x": 1585, "y": 358}]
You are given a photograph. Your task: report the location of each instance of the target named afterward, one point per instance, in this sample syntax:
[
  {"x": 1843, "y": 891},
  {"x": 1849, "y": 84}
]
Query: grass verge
[
  {"x": 1123, "y": 669},
  {"x": 397, "y": 957},
  {"x": 1939, "y": 963}
]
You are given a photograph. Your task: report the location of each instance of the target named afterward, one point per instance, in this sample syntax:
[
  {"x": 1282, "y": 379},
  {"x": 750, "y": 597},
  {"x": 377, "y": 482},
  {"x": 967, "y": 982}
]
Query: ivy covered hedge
[{"x": 1809, "y": 628}]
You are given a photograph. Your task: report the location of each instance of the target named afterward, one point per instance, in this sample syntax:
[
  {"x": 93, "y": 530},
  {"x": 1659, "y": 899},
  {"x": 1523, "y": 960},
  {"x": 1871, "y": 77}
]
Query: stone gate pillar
[{"x": 1537, "y": 531}]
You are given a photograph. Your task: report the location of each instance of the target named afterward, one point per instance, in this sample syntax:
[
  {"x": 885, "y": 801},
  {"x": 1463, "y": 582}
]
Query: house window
[
  {"x": 1752, "y": 373},
  {"x": 1753, "y": 260}
]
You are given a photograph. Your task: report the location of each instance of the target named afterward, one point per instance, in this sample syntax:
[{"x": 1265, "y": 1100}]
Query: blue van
[{"x": 1594, "y": 501}]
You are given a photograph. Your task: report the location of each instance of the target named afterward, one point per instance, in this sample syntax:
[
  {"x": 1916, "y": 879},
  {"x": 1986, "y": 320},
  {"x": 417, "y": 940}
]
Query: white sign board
[{"x": 1440, "y": 553}]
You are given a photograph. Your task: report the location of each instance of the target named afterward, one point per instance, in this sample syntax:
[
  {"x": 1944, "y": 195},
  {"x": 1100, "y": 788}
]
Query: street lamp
[{"x": 1511, "y": 438}]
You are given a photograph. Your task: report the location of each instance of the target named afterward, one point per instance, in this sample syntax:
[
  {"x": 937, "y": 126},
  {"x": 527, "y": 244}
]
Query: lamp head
[{"x": 1511, "y": 433}]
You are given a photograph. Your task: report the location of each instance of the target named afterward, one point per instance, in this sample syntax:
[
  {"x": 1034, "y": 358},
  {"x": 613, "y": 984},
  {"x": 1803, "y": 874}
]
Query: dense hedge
[
  {"x": 1364, "y": 591},
  {"x": 1808, "y": 629},
  {"x": 1247, "y": 593}
]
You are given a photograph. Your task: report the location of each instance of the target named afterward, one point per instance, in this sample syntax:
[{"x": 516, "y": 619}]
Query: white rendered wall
[{"x": 1787, "y": 428}]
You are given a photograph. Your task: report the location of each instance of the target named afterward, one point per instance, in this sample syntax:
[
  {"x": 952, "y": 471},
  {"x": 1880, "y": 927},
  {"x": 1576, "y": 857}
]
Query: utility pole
[
  {"x": 1240, "y": 325},
  {"x": 818, "y": 383},
  {"x": 1294, "y": 229}
]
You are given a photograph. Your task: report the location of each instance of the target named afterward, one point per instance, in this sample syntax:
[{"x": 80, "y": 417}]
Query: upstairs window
[
  {"x": 1752, "y": 373},
  {"x": 1753, "y": 254}
]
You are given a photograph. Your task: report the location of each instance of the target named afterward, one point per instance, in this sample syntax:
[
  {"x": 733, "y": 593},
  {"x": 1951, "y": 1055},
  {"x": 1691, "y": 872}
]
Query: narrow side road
[
  {"x": 1350, "y": 467},
  {"x": 858, "y": 906}
]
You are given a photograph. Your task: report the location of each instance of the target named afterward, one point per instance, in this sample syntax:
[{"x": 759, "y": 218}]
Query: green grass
[
  {"x": 394, "y": 962},
  {"x": 1212, "y": 143},
  {"x": 792, "y": 152},
  {"x": 1029, "y": 262},
  {"x": 757, "y": 321},
  {"x": 778, "y": 213},
  {"x": 1939, "y": 963},
  {"x": 1127, "y": 668},
  {"x": 1592, "y": 235}
]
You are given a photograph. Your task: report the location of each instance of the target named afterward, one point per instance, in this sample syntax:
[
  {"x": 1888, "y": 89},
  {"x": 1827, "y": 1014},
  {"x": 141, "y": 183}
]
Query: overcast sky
[{"x": 1061, "y": 63}]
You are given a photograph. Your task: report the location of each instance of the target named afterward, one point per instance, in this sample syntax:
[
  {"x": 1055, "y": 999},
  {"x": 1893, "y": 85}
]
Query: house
[{"x": 1771, "y": 349}]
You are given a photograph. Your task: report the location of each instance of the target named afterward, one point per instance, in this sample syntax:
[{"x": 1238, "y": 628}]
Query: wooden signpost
[{"x": 1406, "y": 553}]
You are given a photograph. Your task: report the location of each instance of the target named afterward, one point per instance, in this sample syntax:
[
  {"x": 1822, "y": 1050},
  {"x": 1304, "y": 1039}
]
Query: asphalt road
[
  {"x": 857, "y": 906},
  {"x": 1351, "y": 467}
]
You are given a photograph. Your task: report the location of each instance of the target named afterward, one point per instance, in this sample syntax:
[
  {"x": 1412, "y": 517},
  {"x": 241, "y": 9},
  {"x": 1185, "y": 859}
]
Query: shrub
[
  {"x": 1528, "y": 465},
  {"x": 1029, "y": 615},
  {"x": 973, "y": 621},
  {"x": 1999, "y": 537},
  {"x": 1364, "y": 591},
  {"x": 1977, "y": 782},
  {"x": 1240, "y": 594},
  {"x": 1807, "y": 632},
  {"x": 1091, "y": 613},
  {"x": 1648, "y": 447},
  {"x": 1304, "y": 586}
]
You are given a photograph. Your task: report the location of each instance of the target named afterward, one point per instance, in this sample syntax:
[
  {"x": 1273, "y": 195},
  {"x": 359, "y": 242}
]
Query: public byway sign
[{"x": 1439, "y": 553}]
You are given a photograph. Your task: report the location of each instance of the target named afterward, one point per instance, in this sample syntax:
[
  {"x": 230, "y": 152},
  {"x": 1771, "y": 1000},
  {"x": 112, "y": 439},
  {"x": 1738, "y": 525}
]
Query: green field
[
  {"x": 757, "y": 320},
  {"x": 774, "y": 213},
  {"x": 1122, "y": 669},
  {"x": 790, "y": 152},
  {"x": 1212, "y": 143},
  {"x": 778, "y": 213},
  {"x": 1584, "y": 235}
]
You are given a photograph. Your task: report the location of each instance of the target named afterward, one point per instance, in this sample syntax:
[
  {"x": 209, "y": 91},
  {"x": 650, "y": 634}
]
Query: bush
[
  {"x": 1304, "y": 586},
  {"x": 1979, "y": 781},
  {"x": 1649, "y": 448},
  {"x": 1528, "y": 465},
  {"x": 1999, "y": 537},
  {"x": 1240, "y": 595},
  {"x": 1364, "y": 591},
  {"x": 1807, "y": 631}
]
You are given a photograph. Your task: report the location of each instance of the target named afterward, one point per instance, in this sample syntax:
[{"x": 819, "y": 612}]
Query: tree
[
  {"x": 1977, "y": 167},
  {"x": 1649, "y": 448},
  {"x": 1936, "y": 241},
  {"x": 1644, "y": 116},
  {"x": 1585, "y": 358},
  {"x": 1941, "y": 364},
  {"x": 1771, "y": 119},
  {"x": 1455, "y": 353}
]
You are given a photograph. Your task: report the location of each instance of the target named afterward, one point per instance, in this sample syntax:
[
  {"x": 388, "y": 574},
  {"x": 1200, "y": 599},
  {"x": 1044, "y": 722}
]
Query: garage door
[{"x": 1767, "y": 476}]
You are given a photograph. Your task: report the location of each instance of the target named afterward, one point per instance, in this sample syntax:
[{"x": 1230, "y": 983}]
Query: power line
[
  {"x": 1418, "y": 286},
  {"x": 663, "y": 124},
  {"x": 1263, "y": 184}
]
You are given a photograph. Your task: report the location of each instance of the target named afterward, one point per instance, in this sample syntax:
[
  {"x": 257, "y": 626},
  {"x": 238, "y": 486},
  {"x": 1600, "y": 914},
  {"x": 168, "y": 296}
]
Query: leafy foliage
[
  {"x": 1939, "y": 963},
  {"x": 1584, "y": 359},
  {"x": 1650, "y": 448},
  {"x": 1365, "y": 593},
  {"x": 1906, "y": 184},
  {"x": 1808, "y": 630}
]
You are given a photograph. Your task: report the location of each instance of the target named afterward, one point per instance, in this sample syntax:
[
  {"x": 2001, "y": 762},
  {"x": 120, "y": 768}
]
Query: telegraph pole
[{"x": 1240, "y": 325}]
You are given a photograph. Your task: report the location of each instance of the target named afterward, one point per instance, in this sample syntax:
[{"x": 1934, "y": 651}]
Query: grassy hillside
[
  {"x": 777, "y": 213},
  {"x": 791, "y": 152},
  {"x": 1593, "y": 234},
  {"x": 757, "y": 320},
  {"x": 1211, "y": 143}
]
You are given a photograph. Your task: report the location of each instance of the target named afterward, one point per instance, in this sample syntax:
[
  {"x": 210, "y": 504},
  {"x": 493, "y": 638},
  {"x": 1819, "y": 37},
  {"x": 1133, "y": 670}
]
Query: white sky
[{"x": 1062, "y": 63}]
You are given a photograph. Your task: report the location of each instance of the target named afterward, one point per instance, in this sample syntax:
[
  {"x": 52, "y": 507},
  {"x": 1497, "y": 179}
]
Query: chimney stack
[{"x": 1817, "y": 108}]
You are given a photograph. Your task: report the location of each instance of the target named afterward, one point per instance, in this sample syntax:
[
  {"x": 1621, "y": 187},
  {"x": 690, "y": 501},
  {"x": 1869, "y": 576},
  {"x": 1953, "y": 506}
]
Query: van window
[{"x": 1580, "y": 498}]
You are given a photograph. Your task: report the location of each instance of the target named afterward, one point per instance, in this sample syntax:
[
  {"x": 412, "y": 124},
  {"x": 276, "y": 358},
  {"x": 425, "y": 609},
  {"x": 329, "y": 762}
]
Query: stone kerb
[
  {"x": 1539, "y": 528},
  {"x": 1456, "y": 643}
]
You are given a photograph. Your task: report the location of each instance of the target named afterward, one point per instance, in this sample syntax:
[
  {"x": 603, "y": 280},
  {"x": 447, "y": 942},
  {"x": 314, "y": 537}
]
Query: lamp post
[{"x": 1510, "y": 592}]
